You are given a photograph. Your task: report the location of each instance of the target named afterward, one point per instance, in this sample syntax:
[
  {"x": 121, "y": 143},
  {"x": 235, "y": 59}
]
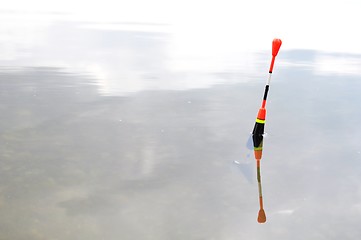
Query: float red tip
[{"x": 276, "y": 44}]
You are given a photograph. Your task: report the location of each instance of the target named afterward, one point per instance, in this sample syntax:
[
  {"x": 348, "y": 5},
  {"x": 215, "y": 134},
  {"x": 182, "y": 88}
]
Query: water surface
[{"x": 104, "y": 137}]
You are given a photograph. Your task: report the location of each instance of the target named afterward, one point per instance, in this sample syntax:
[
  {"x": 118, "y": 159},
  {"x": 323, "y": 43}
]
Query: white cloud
[{"x": 225, "y": 25}]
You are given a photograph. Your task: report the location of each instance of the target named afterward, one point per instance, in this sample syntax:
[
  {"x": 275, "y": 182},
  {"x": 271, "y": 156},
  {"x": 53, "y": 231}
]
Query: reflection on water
[
  {"x": 124, "y": 58},
  {"x": 159, "y": 163},
  {"x": 99, "y": 163}
]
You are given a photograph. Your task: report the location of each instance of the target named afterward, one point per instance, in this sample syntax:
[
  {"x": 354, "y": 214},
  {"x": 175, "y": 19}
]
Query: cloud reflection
[
  {"x": 128, "y": 57},
  {"x": 122, "y": 61}
]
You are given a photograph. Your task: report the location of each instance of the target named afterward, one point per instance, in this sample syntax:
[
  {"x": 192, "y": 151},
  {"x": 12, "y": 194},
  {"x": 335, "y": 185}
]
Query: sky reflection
[{"x": 132, "y": 57}]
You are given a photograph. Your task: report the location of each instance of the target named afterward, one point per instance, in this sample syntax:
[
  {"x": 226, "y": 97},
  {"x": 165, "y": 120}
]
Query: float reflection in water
[{"x": 258, "y": 130}]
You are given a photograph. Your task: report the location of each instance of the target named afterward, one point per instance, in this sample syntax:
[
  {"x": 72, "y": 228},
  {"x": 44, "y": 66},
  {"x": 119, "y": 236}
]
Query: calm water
[{"x": 102, "y": 136}]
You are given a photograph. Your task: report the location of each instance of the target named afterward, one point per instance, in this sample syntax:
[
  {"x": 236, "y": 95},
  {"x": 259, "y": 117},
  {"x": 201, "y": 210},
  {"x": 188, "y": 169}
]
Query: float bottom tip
[{"x": 261, "y": 216}]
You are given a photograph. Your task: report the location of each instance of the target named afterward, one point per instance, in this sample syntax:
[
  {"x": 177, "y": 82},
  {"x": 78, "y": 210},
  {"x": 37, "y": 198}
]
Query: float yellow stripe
[{"x": 260, "y": 121}]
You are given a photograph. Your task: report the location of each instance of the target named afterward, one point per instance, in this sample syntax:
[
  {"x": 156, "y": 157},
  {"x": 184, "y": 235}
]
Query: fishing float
[{"x": 258, "y": 130}]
